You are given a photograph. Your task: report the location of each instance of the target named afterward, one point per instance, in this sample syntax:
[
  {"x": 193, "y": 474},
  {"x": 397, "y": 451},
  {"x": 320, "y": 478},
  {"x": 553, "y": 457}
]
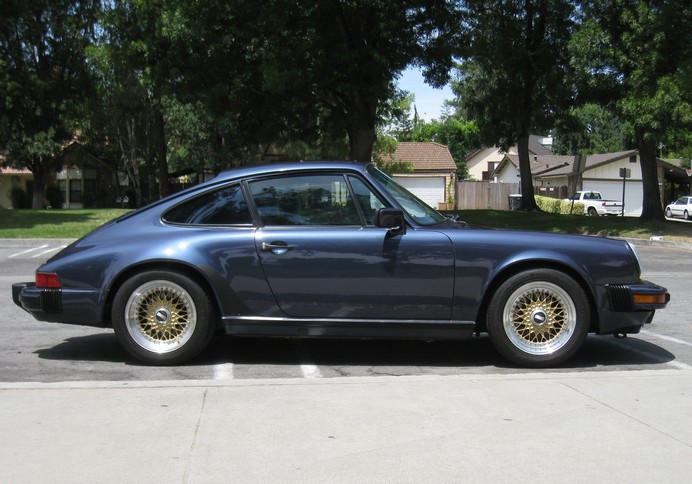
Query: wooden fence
[{"x": 482, "y": 195}]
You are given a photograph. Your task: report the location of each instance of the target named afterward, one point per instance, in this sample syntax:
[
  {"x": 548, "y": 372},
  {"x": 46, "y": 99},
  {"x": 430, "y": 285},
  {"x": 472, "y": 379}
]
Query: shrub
[
  {"x": 19, "y": 198},
  {"x": 54, "y": 196},
  {"x": 554, "y": 205}
]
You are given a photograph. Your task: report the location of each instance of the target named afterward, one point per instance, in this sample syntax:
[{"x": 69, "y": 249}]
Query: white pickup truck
[{"x": 594, "y": 204}]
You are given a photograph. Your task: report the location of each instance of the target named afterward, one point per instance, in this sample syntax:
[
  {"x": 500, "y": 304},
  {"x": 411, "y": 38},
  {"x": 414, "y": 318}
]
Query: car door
[
  {"x": 678, "y": 207},
  {"x": 323, "y": 257}
]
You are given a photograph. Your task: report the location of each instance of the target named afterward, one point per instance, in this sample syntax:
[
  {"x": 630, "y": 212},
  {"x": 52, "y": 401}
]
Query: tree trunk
[
  {"x": 160, "y": 149},
  {"x": 39, "y": 185},
  {"x": 361, "y": 139},
  {"x": 652, "y": 210},
  {"x": 528, "y": 202}
]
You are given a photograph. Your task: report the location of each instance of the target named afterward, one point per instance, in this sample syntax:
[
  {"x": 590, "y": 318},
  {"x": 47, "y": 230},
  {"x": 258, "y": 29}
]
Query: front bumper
[
  {"x": 630, "y": 306},
  {"x": 645, "y": 296}
]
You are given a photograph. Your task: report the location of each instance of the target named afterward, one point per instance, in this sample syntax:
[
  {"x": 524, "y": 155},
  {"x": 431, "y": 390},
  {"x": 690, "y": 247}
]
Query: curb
[
  {"x": 20, "y": 243},
  {"x": 658, "y": 242}
]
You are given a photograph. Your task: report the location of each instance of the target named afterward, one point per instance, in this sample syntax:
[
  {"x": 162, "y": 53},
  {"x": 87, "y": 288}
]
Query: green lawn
[
  {"x": 579, "y": 224},
  {"x": 58, "y": 224},
  {"x": 75, "y": 223}
]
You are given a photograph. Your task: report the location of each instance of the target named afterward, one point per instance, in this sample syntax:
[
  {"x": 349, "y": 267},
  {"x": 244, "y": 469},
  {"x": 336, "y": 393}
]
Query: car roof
[{"x": 255, "y": 170}]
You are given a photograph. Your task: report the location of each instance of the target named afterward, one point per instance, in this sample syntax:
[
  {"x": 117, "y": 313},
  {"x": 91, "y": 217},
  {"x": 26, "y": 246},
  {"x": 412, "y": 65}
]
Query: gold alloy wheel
[
  {"x": 160, "y": 316},
  {"x": 539, "y": 318}
]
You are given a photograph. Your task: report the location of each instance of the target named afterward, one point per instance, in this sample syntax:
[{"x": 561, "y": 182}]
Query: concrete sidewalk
[{"x": 541, "y": 427}]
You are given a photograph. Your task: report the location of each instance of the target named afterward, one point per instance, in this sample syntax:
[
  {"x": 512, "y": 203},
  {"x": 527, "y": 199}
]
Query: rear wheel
[
  {"x": 163, "y": 318},
  {"x": 538, "y": 318},
  {"x": 686, "y": 215},
  {"x": 592, "y": 212}
]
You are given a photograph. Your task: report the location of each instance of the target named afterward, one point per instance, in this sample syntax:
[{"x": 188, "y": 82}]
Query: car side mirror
[{"x": 391, "y": 219}]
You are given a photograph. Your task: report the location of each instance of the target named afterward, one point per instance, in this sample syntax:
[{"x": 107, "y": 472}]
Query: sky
[{"x": 428, "y": 101}]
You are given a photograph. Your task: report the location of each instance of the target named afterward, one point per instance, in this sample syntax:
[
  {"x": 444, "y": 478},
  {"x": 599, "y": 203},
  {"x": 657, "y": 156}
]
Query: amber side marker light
[
  {"x": 47, "y": 280},
  {"x": 650, "y": 298}
]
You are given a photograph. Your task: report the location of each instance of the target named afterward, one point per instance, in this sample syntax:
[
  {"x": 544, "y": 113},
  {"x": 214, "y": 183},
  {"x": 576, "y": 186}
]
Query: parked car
[
  {"x": 682, "y": 207},
  {"x": 595, "y": 204},
  {"x": 335, "y": 250}
]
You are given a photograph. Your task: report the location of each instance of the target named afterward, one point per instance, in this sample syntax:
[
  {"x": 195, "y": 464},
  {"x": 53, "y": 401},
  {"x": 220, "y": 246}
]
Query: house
[
  {"x": 600, "y": 172},
  {"x": 557, "y": 170},
  {"x": 85, "y": 180},
  {"x": 482, "y": 163},
  {"x": 14, "y": 178},
  {"x": 433, "y": 178}
]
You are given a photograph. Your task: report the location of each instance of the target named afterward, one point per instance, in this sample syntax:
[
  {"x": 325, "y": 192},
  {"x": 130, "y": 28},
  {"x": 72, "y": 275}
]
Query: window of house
[
  {"x": 75, "y": 191},
  {"x": 62, "y": 185}
]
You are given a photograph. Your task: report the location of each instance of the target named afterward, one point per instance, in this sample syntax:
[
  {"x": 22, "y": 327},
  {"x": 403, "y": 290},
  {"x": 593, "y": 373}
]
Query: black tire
[
  {"x": 686, "y": 215},
  {"x": 163, "y": 318},
  {"x": 591, "y": 212},
  {"x": 669, "y": 214},
  {"x": 538, "y": 318}
]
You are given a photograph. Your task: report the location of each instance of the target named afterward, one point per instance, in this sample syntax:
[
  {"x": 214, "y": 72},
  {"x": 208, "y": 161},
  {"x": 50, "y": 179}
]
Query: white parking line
[
  {"x": 308, "y": 370},
  {"x": 667, "y": 338},
  {"x": 48, "y": 251},
  {"x": 223, "y": 371},
  {"x": 27, "y": 251}
]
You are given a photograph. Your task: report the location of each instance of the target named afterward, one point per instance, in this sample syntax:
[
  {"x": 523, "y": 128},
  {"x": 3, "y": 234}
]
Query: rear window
[{"x": 225, "y": 206}]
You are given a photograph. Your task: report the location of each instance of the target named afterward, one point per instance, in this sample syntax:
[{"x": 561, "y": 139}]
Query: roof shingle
[{"x": 425, "y": 156}]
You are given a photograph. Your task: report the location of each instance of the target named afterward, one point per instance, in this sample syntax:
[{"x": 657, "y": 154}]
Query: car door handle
[{"x": 277, "y": 248}]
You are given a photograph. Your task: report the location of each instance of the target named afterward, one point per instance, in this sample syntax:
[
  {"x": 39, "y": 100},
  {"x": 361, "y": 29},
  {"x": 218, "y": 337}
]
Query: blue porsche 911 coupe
[{"x": 335, "y": 250}]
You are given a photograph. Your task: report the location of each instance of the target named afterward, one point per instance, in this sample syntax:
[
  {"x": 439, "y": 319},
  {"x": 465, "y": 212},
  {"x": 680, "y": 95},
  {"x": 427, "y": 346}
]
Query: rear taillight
[{"x": 47, "y": 280}]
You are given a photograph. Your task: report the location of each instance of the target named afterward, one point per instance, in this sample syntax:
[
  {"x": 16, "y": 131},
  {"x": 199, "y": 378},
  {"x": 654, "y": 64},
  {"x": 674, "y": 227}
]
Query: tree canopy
[
  {"x": 511, "y": 78},
  {"x": 159, "y": 88},
  {"x": 44, "y": 81},
  {"x": 637, "y": 56}
]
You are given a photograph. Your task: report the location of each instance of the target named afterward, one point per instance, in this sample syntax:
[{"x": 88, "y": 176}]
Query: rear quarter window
[{"x": 225, "y": 206}]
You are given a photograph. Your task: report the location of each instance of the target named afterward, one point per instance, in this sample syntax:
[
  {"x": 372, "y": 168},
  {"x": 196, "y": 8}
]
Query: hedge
[{"x": 554, "y": 205}]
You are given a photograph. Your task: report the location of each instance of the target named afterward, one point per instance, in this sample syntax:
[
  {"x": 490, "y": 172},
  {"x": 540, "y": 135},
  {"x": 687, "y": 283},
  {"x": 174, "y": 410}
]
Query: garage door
[
  {"x": 429, "y": 189},
  {"x": 612, "y": 190}
]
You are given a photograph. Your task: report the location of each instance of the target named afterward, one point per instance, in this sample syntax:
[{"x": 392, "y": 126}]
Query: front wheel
[
  {"x": 538, "y": 318},
  {"x": 163, "y": 318},
  {"x": 686, "y": 215},
  {"x": 669, "y": 214}
]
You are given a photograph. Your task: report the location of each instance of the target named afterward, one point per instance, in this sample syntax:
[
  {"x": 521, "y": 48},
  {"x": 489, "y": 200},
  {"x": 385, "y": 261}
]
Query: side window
[
  {"x": 221, "y": 207},
  {"x": 305, "y": 200},
  {"x": 369, "y": 202}
]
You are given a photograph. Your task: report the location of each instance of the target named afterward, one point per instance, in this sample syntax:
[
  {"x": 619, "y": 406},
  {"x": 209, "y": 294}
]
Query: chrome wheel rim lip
[
  {"x": 160, "y": 316},
  {"x": 539, "y": 318}
]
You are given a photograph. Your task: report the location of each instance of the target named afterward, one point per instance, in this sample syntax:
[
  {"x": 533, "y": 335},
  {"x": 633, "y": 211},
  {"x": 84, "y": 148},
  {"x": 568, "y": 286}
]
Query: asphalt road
[{"x": 32, "y": 351}]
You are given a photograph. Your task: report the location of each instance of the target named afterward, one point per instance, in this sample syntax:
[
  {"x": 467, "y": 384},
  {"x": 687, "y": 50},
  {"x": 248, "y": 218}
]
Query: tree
[
  {"x": 589, "y": 129},
  {"x": 638, "y": 55},
  {"x": 296, "y": 71},
  {"x": 459, "y": 135},
  {"x": 44, "y": 81},
  {"x": 511, "y": 79}
]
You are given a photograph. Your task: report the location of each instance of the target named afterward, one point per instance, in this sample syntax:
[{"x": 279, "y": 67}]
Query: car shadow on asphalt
[{"x": 598, "y": 352}]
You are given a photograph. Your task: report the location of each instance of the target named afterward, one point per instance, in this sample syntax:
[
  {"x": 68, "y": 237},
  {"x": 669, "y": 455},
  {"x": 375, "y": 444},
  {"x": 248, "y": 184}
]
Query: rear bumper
[{"x": 58, "y": 305}]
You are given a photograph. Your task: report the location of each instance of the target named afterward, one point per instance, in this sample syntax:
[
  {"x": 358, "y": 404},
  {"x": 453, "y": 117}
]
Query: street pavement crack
[
  {"x": 631, "y": 417},
  {"x": 193, "y": 444}
]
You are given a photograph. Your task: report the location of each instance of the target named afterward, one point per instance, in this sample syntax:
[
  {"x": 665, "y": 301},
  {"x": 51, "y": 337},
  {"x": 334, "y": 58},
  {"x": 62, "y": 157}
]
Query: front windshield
[{"x": 416, "y": 208}]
